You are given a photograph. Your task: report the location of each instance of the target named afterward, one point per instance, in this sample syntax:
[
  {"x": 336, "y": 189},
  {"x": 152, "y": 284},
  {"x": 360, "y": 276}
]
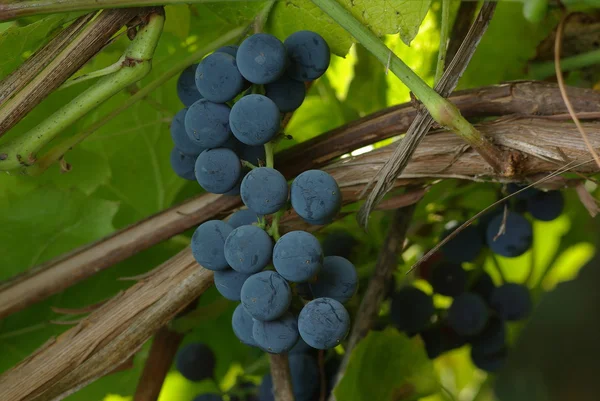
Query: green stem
[
  {"x": 58, "y": 151},
  {"x": 498, "y": 268},
  {"x": 96, "y": 74},
  {"x": 269, "y": 154},
  {"x": 440, "y": 109},
  {"x": 138, "y": 57},
  {"x": 547, "y": 69},
  {"x": 444, "y": 30},
  {"x": 248, "y": 165},
  {"x": 274, "y": 229}
]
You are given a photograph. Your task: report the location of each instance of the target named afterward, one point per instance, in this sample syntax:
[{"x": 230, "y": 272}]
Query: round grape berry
[
  {"x": 276, "y": 336},
  {"x": 468, "y": 314},
  {"x": 261, "y": 58},
  {"x": 323, "y": 323},
  {"x": 229, "y": 283},
  {"x": 316, "y": 196},
  {"x": 264, "y": 190},
  {"x": 186, "y": 86},
  {"x": 489, "y": 362},
  {"x": 243, "y": 217},
  {"x": 180, "y": 137},
  {"x": 448, "y": 279},
  {"x": 492, "y": 338},
  {"x": 208, "y": 242},
  {"x": 546, "y": 206},
  {"x": 516, "y": 239},
  {"x": 511, "y": 301},
  {"x": 309, "y": 55},
  {"x": 297, "y": 256},
  {"x": 242, "y": 324},
  {"x": 266, "y": 295},
  {"x": 183, "y": 165},
  {"x": 464, "y": 247},
  {"x": 207, "y": 124},
  {"x": 195, "y": 362},
  {"x": 229, "y": 49},
  {"x": 218, "y": 170},
  {"x": 288, "y": 94},
  {"x": 482, "y": 285},
  {"x": 411, "y": 310},
  {"x": 208, "y": 397},
  {"x": 218, "y": 78},
  {"x": 248, "y": 249},
  {"x": 255, "y": 119},
  {"x": 304, "y": 372},
  {"x": 337, "y": 279}
]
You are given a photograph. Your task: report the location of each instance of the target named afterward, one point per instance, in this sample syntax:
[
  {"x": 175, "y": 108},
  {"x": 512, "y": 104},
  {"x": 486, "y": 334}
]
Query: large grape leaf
[
  {"x": 381, "y": 16},
  {"x": 387, "y": 366},
  {"x": 18, "y": 42}
]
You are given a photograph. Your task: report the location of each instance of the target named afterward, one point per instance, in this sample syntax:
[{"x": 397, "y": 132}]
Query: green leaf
[
  {"x": 381, "y": 16},
  {"x": 509, "y": 43},
  {"x": 368, "y": 90},
  {"x": 177, "y": 20},
  {"x": 44, "y": 224},
  {"x": 19, "y": 42},
  {"x": 388, "y": 366}
]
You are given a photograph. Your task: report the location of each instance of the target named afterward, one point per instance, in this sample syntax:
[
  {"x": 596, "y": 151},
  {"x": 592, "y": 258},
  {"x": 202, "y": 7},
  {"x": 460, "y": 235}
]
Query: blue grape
[
  {"x": 482, "y": 285},
  {"x": 512, "y": 301},
  {"x": 464, "y": 247},
  {"x": 301, "y": 347},
  {"x": 492, "y": 338},
  {"x": 526, "y": 194},
  {"x": 255, "y": 119},
  {"x": 468, "y": 314},
  {"x": 248, "y": 249},
  {"x": 297, "y": 256},
  {"x": 218, "y": 78},
  {"x": 195, "y": 362},
  {"x": 517, "y": 237},
  {"x": 323, "y": 323},
  {"x": 337, "y": 279},
  {"x": 546, "y": 206},
  {"x": 439, "y": 339},
  {"x": 243, "y": 217},
  {"x": 207, "y": 244},
  {"x": 180, "y": 137},
  {"x": 253, "y": 154},
  {"x": 309, "y": 55},
  {"x": 208, "y": 397},
  {"x": 183, "y": 165},
  {"x": 232, "y": 144},
  {"x": 276, "y": 336},
  {"x": 229, "y": 283},
  {"x": 218, "y": 170},
  {"x": 264, "y": 190},
  {"x": 207, "y": 123},
  {"x": 316, "y": 196},
  {"x": 491, "y": 362},
  {"x": 288, "y": 94},
  {"x": 261, "y": 58},
  {"x": 305, "y": 376},
  {"x": 411, "y": 310},
  {"x": 229, "y": 49},
  {"x": 242, "y": 323},
  {"x": 339, "y": 243},
  {"x": 449, "y": 279},
  {"x": 266, "y": 295},
  {"x": 304, "y": 372},
  {"x": 186, "y": 86}
]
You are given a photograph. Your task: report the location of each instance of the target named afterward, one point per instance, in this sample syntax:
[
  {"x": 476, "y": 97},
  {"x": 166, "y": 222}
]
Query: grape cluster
[
  {"x": 480, "y": 310},
  {"x": 234, "y": 102}
]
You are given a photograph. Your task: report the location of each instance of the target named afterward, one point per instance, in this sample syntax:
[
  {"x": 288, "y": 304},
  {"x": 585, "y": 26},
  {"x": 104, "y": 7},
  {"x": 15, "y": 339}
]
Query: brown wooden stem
[
  {"x": 282, "y": 381},
  {"x": 163, "y": 350}
]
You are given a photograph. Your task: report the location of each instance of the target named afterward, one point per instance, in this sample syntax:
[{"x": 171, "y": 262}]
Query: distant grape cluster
[
  {"x": 480, "y": 310},
  {"x": 234, "y": 99}
]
